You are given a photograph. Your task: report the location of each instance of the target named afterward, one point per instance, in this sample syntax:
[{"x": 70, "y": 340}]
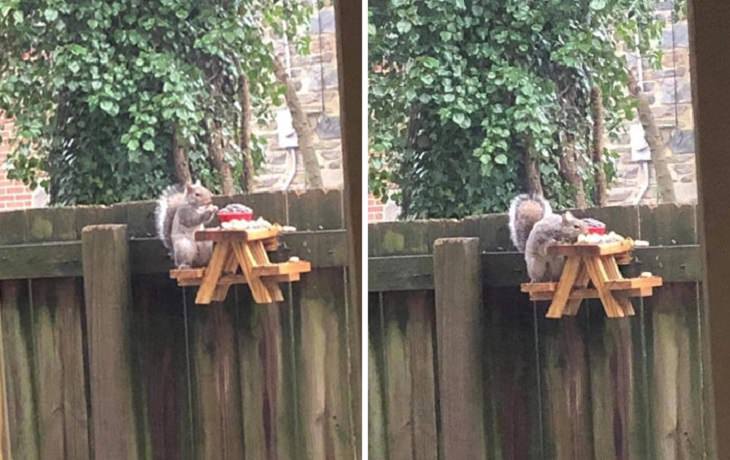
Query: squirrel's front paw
[{"x": 212, "y": 208}]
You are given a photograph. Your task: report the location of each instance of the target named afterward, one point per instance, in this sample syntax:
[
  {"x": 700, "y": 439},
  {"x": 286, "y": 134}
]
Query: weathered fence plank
[
  {"x": 267, "y": 378},
  {"x": 214, "y": 369},
  {"x": 458, "y": 280},
  {"x": 18, "y": 355},
  {"x": 377, "y": 381},
  {"x": 107, "y": 292},
  {"x": 160, "y": 369},
  {"x": 58, "y": 350},
  {"x": 513, "y": 418}
]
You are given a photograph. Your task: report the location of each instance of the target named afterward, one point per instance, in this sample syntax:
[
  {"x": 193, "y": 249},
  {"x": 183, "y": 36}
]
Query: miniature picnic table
[
  {"x": 597, "y": 264},
  {"x": 245, "y": 250}
]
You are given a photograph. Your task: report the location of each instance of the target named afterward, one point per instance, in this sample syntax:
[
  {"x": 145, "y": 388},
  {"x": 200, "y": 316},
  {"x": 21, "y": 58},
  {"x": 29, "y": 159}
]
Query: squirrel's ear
[
  {"x": 189, "y": 188},
  {"x": 567, "y": 217}
]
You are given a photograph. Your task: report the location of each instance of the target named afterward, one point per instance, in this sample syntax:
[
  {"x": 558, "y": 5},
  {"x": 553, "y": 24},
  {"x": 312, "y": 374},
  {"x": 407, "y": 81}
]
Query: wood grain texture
[
  {"x": 107, "y": 291},
  {"x": 457, "y": 276}
]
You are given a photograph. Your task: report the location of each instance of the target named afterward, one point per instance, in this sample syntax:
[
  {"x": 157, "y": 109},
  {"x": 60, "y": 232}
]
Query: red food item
[
  {"x": 595, "y": 226},
  {"x": 227, "y": 216}
]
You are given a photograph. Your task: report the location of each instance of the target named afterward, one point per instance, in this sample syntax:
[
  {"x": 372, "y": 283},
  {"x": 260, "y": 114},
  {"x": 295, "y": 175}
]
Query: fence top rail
[
  {"x": 663, "y": 225},
  {"x": 313, "y": 210}
]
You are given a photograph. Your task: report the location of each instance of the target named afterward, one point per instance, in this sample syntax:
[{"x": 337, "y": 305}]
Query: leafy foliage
[
  {"x": 461, "y": 92},
  {"x": 100, "y": 90}
]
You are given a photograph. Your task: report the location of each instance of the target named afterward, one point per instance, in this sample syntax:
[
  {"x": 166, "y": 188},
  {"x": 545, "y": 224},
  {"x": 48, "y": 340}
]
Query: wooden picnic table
[
  {"x": 240, "y": 257},
  {"x": 592, "y": 271}
]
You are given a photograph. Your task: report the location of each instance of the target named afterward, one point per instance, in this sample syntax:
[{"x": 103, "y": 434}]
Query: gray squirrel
[
  {"x": 534, "y": 227},
  {"x": 181, "y": 210}
]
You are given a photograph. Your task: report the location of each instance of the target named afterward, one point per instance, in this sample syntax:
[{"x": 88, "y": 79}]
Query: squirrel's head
[
  {"x": 574, "y": 226},
  {"x": 198, "y": 195}
]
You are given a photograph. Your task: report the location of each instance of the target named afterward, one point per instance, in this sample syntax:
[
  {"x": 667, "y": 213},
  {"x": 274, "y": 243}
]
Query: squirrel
[
  {"x": 181, "y": 210},
  {"x": 534, "y": 227}
]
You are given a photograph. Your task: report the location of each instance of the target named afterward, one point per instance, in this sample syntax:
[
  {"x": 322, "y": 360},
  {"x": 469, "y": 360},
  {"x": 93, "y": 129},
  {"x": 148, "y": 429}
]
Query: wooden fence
[
  {"x": 110, "y": 359},
  {"x": 464, "y": 366}
]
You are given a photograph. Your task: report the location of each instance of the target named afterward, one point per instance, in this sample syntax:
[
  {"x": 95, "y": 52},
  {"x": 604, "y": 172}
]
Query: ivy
[
  {"x": 461, "y": 92},
  {"x": 99, "y": 89}
]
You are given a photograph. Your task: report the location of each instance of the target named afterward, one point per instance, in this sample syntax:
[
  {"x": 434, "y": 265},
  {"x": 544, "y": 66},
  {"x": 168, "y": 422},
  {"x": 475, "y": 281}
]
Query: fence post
[
  {"x": 107, "y": 294},
  {"x": 458, "y": 286}
]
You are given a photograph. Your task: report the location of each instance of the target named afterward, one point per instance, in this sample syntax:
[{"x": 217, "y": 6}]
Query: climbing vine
[
  {"x": 473, "y": 101},
  {"x": 102, "y": 91}
]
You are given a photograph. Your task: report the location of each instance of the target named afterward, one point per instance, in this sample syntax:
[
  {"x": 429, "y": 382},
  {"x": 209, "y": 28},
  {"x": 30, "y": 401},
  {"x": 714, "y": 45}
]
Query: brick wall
[{"x": 13, "y": 194}]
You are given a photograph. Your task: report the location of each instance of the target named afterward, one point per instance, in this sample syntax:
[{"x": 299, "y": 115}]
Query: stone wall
[
  {"x": 316, "y": 80},
  {"x": 670, "y": 87}
]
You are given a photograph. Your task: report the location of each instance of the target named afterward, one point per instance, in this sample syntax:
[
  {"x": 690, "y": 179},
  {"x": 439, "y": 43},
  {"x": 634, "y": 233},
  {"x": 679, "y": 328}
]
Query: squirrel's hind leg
[
  {"x": 204, "y": 251},
  {"x": 185, "y": 251}
]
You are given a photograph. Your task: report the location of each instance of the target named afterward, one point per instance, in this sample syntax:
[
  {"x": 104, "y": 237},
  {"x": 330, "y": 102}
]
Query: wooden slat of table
[
  {"x": 239, "y": 279},
  {"x": 247, "y": 261},
  {"x": 599, "y": 277},
  {"x": 565, "y": 285},
  {"x": 283, "y": 268},
  {"x": 614, "y": 274},
  {"x": 592, "y": 293},
  {"x": 593, "y": 250},
  {"x": 571, "y": 309},
  {"x": 212, "y": 273},
  {"x": 220, "y": 234},
  {"x": 259, "y": 254}
]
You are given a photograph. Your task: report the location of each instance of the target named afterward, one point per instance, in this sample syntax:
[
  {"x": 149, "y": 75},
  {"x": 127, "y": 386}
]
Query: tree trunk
[
  {"x": 182, "y": 168},
  {"x": 217, "y": 157},
  {"x": 305, "y": 132},
  {"x": 244, "y": 134},
  {"x": 659, "y": 150},
  {"x": 569, "y": 168},
  {"x": 532, "y": 171},
  {"x": 597, "y": 146}
]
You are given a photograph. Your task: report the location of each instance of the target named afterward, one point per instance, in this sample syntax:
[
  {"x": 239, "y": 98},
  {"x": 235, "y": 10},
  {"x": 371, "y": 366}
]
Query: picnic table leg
[
  {"x": 573, "y": 306},
  {"x": 613, "y": 272},
  {"x": 247, "y": 262},
  {"x": 598, "y": 275},
  {"x": 229, "y": 268},
  {"x": 212, "y": 273},
  {"x": 565, "y": 285},
  {"x": 259, "y": 253}
]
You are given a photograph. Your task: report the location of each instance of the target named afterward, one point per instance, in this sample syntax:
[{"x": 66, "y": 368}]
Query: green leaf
[
  {"x": 403, "y": 27},
  {"x": 148, "y": 145},
  {"x": 50, "y": 14},
  {"x": 501, "y": 159},
  {"x": 598, "y": 5}
]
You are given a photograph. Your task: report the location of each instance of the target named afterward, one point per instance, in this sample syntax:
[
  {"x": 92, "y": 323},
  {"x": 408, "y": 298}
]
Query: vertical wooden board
[
  {"x": 410, "y": 387},
  {"x": 15, "y": 227},
  {"x": 215, "y": 385},
  {"x": 492, "y": 231},
  {"x": 565, "y": 385},
  {"x": 107, "y": 299},
  {"x": 159, "y": 369},
  {"x": 315, "y": 210},
  {"x": 59, "y": 369},
  {"x": 668, "y": 224},
  {"x": 674, "y": 350},
  {"x": 511, "y": 381},
  {"x": 420, "y": 335},
  {"x": 326, "y": 399},
  {"x": 15, "y": 307},
  {"x": 618, "y": 389},
  {"x": 459, "y": 345},
  {"x": 51, "y": 224},
  {"x": 266, "y": 376},
  {"x": 708, "y": 415},
  {"x": 398, "y": 395},
  {"x": 377, "y": 422}
]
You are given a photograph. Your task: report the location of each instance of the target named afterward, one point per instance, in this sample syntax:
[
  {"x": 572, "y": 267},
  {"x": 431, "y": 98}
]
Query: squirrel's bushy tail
[
  {"x": 172, "y": 197},
  {"x": 524, "y": 212}
]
